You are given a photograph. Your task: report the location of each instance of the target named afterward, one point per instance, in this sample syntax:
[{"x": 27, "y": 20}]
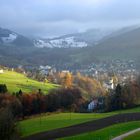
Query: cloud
[{"x": 53, "y": 17}]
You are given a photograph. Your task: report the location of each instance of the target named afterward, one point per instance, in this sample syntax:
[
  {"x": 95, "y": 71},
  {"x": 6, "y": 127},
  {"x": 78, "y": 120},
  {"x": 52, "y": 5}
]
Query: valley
[{"x": 69, "y": 70}]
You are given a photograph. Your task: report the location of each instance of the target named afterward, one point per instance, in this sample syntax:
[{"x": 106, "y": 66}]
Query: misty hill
[
  {"x": 122, "y": 44},
  {"x": 77, "y": 40},
  {"x": 10, "y": 38}
]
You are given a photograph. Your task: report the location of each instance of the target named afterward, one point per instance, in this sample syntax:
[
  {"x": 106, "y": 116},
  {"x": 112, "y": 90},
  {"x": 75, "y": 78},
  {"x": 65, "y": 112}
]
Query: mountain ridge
[{"x": 123, "y": 45}]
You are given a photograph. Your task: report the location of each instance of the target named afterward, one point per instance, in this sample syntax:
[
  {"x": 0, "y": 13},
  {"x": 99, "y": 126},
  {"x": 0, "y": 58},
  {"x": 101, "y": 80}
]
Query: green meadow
[
  {"x": 60, "y": 120},
  {"x": 16, "y": 81},
  {"x": 135, "y": 136},
  {"x": 107, "y": 133},
  {"x": 50, "y": 122}
]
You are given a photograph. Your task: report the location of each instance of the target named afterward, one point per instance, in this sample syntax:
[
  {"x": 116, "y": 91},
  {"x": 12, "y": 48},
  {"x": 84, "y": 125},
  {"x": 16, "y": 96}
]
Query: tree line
[
  {"x": 124, "y": 96},
  {"x": 71, "y": 97}
]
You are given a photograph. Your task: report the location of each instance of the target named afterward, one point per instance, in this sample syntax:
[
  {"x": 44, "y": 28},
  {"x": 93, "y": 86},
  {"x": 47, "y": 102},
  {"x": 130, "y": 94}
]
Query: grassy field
[
  {"x": 107, "y": 133},
  {"x": 16, "y": 81},
  {"x": 49, "y": 122},
  {"x": 135, "y": 136}
]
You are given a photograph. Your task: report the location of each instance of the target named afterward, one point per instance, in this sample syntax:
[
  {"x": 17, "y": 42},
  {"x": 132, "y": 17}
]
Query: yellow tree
[{"x": 67, "y": 82}]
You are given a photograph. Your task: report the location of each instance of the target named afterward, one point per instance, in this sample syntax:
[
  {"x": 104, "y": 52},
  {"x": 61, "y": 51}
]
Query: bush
[
  {"x": 3, "y": 88},
  {"x": 8, "y": 127}
]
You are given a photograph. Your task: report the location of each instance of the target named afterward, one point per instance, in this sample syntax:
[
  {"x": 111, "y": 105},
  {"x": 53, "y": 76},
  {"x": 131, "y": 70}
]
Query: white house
[
  {"x": 92, "y": 105},
  {"x": 1, "y": 71}
]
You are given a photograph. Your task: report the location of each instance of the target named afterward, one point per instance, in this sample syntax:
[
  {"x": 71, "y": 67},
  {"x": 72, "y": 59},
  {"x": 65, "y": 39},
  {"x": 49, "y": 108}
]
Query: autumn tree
[
  {"x": 67, "y": 80},
  {"x": 89, "y": 85},
  {"x": 8, "y": 127}
]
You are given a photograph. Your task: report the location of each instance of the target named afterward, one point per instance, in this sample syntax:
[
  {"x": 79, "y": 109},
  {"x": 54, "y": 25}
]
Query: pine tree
[{"x": 118, "y": 99}]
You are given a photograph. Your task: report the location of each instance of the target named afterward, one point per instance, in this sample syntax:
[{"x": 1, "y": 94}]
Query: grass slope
[
  {"x": 49, "y": 122},
  {"x": 16, "y": 81},
  {"x": 107, "y": 133},
  {"x": 135, "y": 136}
]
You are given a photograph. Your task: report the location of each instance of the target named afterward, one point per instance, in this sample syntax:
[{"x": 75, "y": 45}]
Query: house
[
  {"x": 1, "y": 71},
  {"x": 65, "y": 71},
  {"x": 47, "y": 70},
  {"x": 92, "y": 105}
]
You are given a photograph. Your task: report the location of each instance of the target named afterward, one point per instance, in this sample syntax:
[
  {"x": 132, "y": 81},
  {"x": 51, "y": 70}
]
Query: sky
[{"x": 48, "y": 18}]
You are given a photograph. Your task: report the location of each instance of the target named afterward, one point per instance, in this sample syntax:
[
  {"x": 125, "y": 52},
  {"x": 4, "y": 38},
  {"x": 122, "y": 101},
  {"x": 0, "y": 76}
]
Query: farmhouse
[
  {"x": 1, "y": 71},
  {"x": 92, "y": 105}
]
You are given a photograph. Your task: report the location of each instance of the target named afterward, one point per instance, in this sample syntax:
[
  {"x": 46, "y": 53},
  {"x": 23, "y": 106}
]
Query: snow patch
[
  {"x": 10, "y": 38},
  {"x": 60, "y": 43},
  {"x": 41, "y": 44}
]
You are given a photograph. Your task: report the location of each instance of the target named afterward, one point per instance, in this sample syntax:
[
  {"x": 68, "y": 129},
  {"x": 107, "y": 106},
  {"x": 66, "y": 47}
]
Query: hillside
[
  {"x": 121, "y": 44},
  {"x": 10, "y": 38},
  {"x": 108, "y": 132},
  {"x": 16, "y": 81},
  {"x": 77, "y": 40},
  {"x": 60, "y": 120},
  {"x": 125, "y": 45}
]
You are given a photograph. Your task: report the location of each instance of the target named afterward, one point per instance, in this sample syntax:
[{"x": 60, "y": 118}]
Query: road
[{"x": 84, "y": 127}]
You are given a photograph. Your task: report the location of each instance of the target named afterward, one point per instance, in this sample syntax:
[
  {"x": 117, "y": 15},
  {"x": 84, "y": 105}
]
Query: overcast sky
[{"x": 58, "y": 17}]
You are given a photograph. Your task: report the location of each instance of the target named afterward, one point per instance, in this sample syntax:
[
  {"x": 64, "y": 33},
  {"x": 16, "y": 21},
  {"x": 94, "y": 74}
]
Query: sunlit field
[
  {"x": 16, "y": 81},
  {"x": 60, "y": 120}
]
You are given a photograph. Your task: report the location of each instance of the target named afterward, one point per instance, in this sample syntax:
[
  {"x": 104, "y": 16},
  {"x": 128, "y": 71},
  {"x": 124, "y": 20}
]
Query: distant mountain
[
  {"x": 123, "y": 44},
  {"x": 10, "y": 38},
  {"x": 77, "y": 40},
  {"x": 72, "y": 51},
  {"x": 120, "y": 31},
  {"x": 65, "y": 42}
]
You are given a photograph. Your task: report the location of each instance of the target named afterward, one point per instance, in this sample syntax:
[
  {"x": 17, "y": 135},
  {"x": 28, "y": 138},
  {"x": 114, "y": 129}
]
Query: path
[
  {"x": 84, "y": 127},
  {"x": 126, "y": 134}
]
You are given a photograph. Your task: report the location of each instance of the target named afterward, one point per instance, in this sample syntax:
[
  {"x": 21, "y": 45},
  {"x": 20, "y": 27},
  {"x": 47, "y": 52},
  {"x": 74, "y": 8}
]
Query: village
[{"x": 108, "y": 73}]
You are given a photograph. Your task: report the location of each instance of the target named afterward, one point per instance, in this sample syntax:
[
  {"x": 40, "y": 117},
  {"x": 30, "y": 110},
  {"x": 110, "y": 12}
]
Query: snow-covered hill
[
  {"x": 10, "y": 38},
  {"x": 7, "y": 36},
  {"x": 76, "y": 40},
  {"x": 60, "y": 43},
  {"x": 79, "y": 40}
]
